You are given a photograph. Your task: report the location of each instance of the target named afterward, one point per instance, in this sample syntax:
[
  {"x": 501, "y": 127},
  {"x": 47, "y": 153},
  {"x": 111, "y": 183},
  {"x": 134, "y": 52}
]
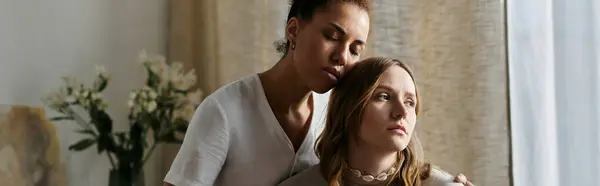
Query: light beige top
[
  {"x": 312, "y": 176},
  {"x": 234, "y": 139}
]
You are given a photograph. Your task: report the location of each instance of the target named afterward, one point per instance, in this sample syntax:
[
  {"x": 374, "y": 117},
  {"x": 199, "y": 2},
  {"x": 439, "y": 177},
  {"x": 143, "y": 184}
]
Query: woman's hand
[{"x": 461, "y": 178}]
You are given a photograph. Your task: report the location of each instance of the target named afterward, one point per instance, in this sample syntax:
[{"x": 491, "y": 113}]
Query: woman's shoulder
[
  {"x": 311, "y": 176},
  {"x": 439, "y": 177},
  {"x": 239, "y": 87},
  {"x": 239, "y": 95}
]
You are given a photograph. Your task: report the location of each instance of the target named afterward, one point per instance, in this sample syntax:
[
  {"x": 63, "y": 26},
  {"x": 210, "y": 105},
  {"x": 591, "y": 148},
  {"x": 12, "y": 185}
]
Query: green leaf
[
  {"x": 153, "y": 79},
  {"x": 85, "y": 131},
  {"x": 101, "y": 120},
  {"x": 106, "y": 142},
  {"x": 100, "y": 84},
  {"x": 82, "y": 144},
  {"x": 184, "y": 92},
  {"x": 136, "y": 134},
  {"x": 180, "y": 121},
  {"x": 181, "y": 128},
  {"x": 121, "y": 136},
  {"x": 59, "y": 118},
  {"x": 154, "y": 123},
  {"x": 102, "y": 143}
]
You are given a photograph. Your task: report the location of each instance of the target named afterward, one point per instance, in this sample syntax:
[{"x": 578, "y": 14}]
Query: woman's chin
[
  {"x": 323, "y": 88},
  {"x": 399, "y": 144},
  {"x": 321, "y": 91}
]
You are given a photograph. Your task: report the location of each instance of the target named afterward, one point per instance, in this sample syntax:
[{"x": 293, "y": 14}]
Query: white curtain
[{"x": 554, "y": 67}]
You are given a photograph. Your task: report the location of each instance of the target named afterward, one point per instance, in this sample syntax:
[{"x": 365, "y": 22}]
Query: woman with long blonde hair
[{"x": 369, "y": 136}]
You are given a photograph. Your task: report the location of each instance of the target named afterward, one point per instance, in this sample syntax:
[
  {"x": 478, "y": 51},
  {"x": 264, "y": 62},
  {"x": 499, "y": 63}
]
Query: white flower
[
  {"x": 151, "y": 106},
  {"x": 190, "y": 76},
  {"x": 187, "y": 81},
  {"x": 79, "y": 94},
  {"x": 190, "y": 102},
  {"x": 175, "y": 68},
  {"x": 174, "y": 72},
  {"x": 132, "y": 95},
  {"x": 143, "y": 94},
  {"x": 188, "y": 111},
  {"x": 159, "y": 67},
  {"x": 84, "y": 103},
  {"x": 157, "y": 64},
  {"x": 151, "y": 94},
  {"x": 55, "y": 100},
  {"x": 146, "y": 89},
  {"x": 95, "y": 96},
  {"x": 85, "y": 93},
  {"x": 103, "y": 106},
  {"x": 179, "y": 80},
  {"x": 131, "y": 103}
]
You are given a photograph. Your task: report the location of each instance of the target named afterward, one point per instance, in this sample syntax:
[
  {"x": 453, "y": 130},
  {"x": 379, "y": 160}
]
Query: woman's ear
[{"x": 292, "y": 28}]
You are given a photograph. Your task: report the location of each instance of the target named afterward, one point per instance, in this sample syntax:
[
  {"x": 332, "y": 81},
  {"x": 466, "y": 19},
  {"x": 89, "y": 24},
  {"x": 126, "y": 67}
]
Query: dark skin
[
  {"x": 323, "y": 49},
  {"x": 331, "y": 40}
]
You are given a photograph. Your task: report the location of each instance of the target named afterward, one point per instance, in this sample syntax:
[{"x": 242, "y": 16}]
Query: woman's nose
[
  {"x": 341, "y": 55},
  {"x": 399, "y": 111}
]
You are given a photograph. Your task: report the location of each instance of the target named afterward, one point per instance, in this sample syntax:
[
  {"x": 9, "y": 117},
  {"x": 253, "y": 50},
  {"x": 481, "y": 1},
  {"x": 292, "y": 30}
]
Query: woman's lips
[
  {"x": 334, "y": 72},
  {"x": 399, "y": 129}
]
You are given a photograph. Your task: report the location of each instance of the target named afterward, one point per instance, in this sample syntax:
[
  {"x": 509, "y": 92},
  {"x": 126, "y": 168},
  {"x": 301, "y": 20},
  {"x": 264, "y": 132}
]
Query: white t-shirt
[{"x": 234, "y": 139}]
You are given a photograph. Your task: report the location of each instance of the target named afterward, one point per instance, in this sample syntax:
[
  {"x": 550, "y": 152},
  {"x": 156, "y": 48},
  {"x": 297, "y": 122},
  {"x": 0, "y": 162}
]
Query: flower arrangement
[{"x": 158, "y": 113}]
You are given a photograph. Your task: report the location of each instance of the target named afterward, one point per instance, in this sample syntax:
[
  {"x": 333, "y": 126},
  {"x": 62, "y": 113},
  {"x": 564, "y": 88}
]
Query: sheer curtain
[{"x": 554, "y": 66}]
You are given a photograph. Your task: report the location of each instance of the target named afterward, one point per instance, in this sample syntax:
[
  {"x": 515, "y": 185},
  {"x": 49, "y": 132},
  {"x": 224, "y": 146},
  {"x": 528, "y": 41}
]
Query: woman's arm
[{"x": 204, "y": 147}]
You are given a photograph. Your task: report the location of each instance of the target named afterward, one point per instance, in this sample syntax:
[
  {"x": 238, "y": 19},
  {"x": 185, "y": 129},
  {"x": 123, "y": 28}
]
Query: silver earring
[{"x": 293, "y": 45}]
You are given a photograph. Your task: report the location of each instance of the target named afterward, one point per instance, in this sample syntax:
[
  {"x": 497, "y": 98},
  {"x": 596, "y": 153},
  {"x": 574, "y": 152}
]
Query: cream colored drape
[
  {"x": 223, "y": 40},
  {"x": 457, "y": 49}
]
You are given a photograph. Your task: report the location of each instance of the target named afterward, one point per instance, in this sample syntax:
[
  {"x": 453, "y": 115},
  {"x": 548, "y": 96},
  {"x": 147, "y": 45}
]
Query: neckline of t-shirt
[{"x": 268, "y": 114}]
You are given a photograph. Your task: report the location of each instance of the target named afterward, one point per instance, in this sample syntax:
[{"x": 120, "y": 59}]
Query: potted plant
[{"x": 159, "y": 112}]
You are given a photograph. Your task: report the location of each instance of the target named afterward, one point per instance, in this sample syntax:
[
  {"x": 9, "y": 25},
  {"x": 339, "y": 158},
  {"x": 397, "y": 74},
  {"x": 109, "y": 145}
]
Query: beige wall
[{"x": 41, "y": 41}]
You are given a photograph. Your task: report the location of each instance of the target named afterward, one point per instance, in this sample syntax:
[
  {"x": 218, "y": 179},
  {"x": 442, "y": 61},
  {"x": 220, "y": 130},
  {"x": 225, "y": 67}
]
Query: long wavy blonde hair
[{"x": 346, "y": 107}]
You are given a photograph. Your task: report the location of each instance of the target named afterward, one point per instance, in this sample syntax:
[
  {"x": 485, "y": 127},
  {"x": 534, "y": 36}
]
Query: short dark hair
[{"x": 305, "y": 9}]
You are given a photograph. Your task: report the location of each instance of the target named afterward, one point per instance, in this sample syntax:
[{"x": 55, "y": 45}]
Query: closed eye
[
  {"x": 354, "y": 52},
  {"x": 331, "y": 38},
  {"x": 356, "y": 49}
]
